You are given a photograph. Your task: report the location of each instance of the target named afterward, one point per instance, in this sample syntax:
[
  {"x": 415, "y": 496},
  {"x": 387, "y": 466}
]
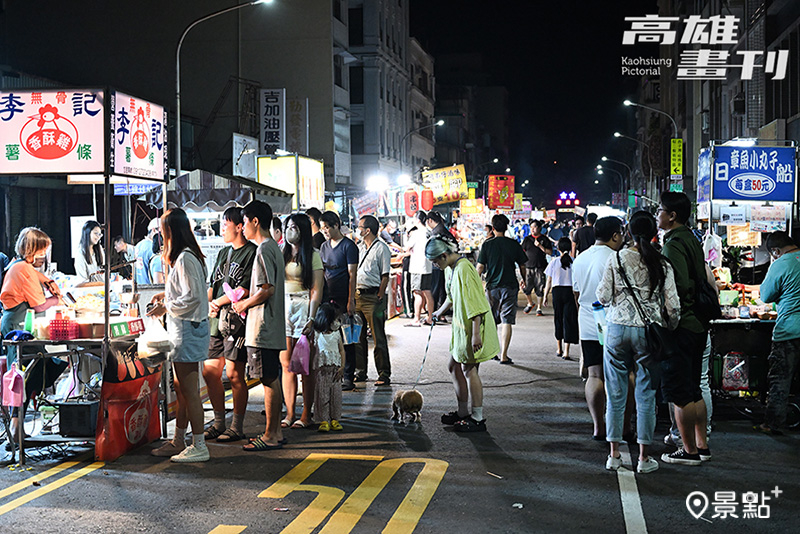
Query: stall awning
[{"x": 200, "y": 190}]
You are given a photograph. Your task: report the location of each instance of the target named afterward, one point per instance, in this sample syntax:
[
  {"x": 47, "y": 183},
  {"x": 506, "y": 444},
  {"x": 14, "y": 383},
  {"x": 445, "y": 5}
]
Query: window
[
  {"x": 338, "y": 68},
  {"x": 337, "y": 9},
  {"x": 356, "y": 138},
  {"x": 356, "y": 85},
  {"x": 356, "y": 26}
]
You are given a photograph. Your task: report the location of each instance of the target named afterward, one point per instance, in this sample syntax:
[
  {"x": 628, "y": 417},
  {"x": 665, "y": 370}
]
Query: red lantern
[
  {"x": 411, "y": 202},
  {"x": 427, "y": 200}
]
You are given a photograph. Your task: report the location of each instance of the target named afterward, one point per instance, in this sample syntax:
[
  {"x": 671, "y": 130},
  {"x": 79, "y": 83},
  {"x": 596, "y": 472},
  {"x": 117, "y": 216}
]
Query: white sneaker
[
  {"x": 613, "y": 464},
  {"x": 647, "y": 466},
  {"x": 192, "y": 453}
]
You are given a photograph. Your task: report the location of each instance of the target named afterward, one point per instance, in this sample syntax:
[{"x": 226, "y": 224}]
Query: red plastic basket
[{"x": 64, "y": 329}]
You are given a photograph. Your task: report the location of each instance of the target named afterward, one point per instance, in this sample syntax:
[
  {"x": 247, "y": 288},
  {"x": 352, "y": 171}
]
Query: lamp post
[
  {"x": 674, "y": 124},
  {"x": 649, "y": 160},
  {"x": 440, "y": 122},
  {"x": 178, "y": 71}
]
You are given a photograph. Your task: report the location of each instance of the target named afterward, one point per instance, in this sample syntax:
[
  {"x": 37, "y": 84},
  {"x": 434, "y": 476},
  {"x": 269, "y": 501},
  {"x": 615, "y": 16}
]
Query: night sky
[{"x": 561, "y": 64}]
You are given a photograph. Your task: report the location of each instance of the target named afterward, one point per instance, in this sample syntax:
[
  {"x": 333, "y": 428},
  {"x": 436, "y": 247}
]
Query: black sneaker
[
  {"x": 360, "y": 378},
  {"x": 705, "y": 454},
  {"x": 681, "y": 457},
  {"x": 347, "y": 385},
  {"x": 452, "y": 418},
  {"x": 470, "y": 425}
]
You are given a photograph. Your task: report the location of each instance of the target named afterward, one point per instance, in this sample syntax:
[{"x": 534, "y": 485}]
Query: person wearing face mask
[
  {"x": 373, "y": 276},
  {"x": 24, "y": 288},
  {"x": 303, "y": 289},
  {"x": 90, "y": 260}
]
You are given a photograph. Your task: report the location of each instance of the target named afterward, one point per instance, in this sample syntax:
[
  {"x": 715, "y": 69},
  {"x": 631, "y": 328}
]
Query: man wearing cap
[{"x": 144, "y": 253}]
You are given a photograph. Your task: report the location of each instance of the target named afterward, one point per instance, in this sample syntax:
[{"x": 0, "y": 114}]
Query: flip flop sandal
[
  {"x": 286, "y": 423},
  {"x": 300, "y": 424},
  {"x": 260, "y": 445}
]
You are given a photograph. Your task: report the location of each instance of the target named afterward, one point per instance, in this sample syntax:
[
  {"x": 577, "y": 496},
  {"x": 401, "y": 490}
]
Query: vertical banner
[
  {"x": 676, "y": 159},
  {"x": 52, "y": 131},
  {"x": 273, "y": 121},
  {"x": 297, "y": 125},
  {"x": 139, "y": 138},
  {"x": 501, "y": 192}
]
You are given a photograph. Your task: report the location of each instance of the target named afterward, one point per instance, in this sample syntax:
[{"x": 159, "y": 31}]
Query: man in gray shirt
[{"x": 265, "y": 334}]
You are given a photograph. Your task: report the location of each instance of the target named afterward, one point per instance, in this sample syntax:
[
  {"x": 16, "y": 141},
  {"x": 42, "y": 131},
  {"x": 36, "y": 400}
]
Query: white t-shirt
[
  {"x": 587, "y": 272},
  {"x": 418, "y": 263},
  {"x": 561, "y": 277}
]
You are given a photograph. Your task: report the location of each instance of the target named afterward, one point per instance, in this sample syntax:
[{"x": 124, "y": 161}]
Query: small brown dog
[{"x": 407, "y": 402}]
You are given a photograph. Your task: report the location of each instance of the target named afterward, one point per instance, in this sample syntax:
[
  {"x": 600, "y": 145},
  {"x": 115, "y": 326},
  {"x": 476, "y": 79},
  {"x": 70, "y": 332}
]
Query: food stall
[
  {"x": 94, "y": 136},
  {"x": 745, "y": 189}
]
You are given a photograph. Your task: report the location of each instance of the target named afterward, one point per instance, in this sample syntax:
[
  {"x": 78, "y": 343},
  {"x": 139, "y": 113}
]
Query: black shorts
[
  {"x": 680, "y": 375},
  {"x": 503, "y": 301},
  {"x": 421, "y": 282},
  {"x": 264, "y": 364},
  {"x": 592, "y": 352},
  {"x": 535, "y": 281},
  {"x": 225, "y": 347}
]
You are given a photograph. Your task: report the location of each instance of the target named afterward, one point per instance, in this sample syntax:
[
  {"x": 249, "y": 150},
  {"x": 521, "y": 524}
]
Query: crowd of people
[{"x": 284, "y": 286}]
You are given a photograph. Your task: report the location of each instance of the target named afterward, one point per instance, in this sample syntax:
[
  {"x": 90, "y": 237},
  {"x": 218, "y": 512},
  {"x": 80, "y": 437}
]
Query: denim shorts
[{"x": 191, "y": 339}]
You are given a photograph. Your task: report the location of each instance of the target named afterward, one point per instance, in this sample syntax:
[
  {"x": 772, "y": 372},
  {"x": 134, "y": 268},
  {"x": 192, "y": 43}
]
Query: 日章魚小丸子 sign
[
  {"x": 759, "y": 173},
  {"x": 447, "y": 183}
]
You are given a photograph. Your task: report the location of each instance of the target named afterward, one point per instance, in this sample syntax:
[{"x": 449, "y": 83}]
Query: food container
[{"x": 91, "y": 330}]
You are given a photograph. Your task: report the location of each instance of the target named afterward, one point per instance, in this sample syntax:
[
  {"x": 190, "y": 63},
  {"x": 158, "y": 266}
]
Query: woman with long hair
[
  {"x": 653, "y": 285},
  {"x": 565, "y": 311},
  {"x": 90, "y": 259},
  {"x": 185, "y": 302},
  {"x": 303, "y": 290}
]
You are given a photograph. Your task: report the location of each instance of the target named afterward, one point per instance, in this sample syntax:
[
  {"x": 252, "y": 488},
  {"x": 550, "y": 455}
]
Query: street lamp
[
  {"x": 649, "y": 160},
  {"x": 178, "y": 70},
  {"x": 630, "y": 171},
  {"x": 440, "y": 122},
  {"x": 674, "y": 124},
  {"x": 601, "y": 170}
]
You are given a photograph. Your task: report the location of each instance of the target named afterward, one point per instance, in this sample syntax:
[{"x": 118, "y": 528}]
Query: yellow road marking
[
  {"x": 50, "y": 487},
  {"x": 408, "y": 514},
  {"x": 228, "y": 529},
  {"x": 403, "y": 521},
  {"x": 41, "y": 476}
]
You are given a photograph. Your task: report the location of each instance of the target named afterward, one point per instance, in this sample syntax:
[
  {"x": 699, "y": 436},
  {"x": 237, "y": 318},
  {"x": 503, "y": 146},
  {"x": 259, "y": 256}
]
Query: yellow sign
[
  {"x": 302, "y": 177},
  {"x": 448, "y": 184},
  {"x": 471, "y": 194},
  {"x": 471, "y": 206},
  {"x": 517, "y": 201},
  {"x": 741, "y": 236},
  {"x": 676, "y": 157}
]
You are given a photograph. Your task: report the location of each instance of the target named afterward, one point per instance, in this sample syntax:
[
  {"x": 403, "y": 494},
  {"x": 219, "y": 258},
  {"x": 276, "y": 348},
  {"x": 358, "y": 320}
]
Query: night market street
[{"x": 535, "y": 470}]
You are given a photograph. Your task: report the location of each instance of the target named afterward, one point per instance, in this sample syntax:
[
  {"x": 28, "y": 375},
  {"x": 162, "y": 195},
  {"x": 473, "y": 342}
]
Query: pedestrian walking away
[
  {"x": 499, "y": 258},
  {"x": 565, "y": 311}
]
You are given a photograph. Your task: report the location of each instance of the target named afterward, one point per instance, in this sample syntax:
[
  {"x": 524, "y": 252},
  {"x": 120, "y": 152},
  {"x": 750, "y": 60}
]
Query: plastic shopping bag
[
  {"x": 735, "y": 372},
  {"x": 154, "y": 344},
  {"x": 13, "y": 387},
  {"x": 301, "y": 357}
]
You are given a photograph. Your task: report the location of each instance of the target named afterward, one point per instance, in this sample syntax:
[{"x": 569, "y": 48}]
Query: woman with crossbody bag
[{"x": 638, "y": 287}]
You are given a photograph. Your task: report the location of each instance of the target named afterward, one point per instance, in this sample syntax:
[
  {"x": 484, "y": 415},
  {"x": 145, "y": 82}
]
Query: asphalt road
[{"x": 535, "y": 470}]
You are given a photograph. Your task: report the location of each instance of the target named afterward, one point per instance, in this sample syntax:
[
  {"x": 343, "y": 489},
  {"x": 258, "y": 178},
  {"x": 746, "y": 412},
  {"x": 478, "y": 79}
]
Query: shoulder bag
[
  {"x": 230, "y": 323},
  {"x": 660, "y": 341},
  {"x": 706, "y": 301}
]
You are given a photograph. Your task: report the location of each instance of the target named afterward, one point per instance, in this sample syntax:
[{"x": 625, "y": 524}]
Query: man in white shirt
[
  {"x": 420, "y": 269},
  {"x": 587, "y": 272},
  {"x": 371, "y": 280}
]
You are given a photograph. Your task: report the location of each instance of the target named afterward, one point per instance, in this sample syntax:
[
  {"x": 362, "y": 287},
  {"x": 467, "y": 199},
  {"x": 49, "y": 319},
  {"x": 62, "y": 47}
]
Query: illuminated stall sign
[
  {"x": 52, "y": 131},
  {"x": 273, "y": 121},
  {"x": 448, "y": 184},
  {"x": 754, "y": 173},
  {"x": 138, "y": 138}
]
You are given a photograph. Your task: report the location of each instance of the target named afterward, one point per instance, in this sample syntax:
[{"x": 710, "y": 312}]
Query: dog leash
[{"x": 425, "y": 357}]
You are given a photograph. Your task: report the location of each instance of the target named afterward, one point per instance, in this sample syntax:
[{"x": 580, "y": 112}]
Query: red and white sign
[
  {"x": 52, "y": 131},
  {"x": 139, "y": 138}
]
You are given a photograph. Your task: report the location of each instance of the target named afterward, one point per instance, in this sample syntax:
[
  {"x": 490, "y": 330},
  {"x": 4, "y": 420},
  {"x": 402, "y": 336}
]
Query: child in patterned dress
[{"x": 328, "y": 365}]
